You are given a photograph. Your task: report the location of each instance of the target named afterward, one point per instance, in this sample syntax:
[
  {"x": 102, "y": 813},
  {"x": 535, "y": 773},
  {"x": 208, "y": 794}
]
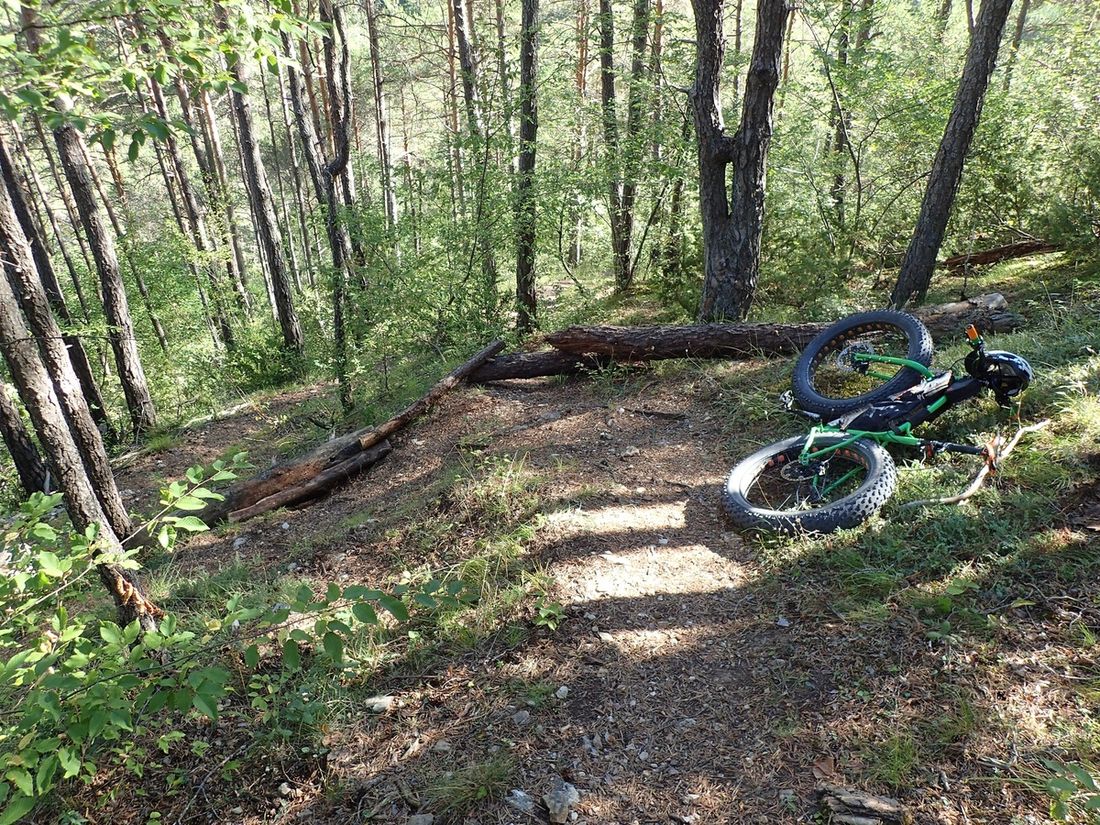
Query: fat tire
[
  {"x": 851, "y": 511},
  {"x": 920, "y": 349}
]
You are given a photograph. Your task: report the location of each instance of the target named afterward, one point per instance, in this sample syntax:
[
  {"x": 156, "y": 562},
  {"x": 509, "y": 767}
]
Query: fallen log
[
  {"x": 1017, "y": 249},
  {"x": 535, "y": 365},
  {"x": 334, "y": 461},
  {"x": 944, "y": 321}
]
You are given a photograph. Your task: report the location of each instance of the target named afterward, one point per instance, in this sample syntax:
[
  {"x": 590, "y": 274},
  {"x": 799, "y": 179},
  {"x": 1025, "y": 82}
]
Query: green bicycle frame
[{"x": 890, "y": 359}]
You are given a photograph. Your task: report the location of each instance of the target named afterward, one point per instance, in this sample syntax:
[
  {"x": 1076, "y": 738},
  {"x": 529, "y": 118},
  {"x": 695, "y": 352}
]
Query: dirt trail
[{"x": 687, "y": 683}]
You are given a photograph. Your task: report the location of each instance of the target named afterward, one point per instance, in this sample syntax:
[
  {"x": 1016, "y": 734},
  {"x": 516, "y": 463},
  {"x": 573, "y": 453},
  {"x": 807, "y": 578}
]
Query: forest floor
[{"x": 629, "y": 640}]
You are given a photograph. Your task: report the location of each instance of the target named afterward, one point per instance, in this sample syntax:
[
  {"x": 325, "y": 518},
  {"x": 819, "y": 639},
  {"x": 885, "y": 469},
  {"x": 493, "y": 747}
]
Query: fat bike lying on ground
[{"x": 865, "y": 383}]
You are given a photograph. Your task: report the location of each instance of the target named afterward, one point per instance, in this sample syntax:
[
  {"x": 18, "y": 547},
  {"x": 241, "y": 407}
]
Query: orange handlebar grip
[{"x": 972, "y": 332}]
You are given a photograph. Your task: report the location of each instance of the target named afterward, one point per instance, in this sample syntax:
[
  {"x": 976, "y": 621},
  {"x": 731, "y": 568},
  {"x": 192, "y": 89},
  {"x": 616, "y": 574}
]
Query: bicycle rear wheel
[{"x": 830, "y": 380}]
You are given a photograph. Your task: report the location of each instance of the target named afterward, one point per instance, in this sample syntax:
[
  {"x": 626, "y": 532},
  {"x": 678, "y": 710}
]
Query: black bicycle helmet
[{"x": 1006, "y": 373}]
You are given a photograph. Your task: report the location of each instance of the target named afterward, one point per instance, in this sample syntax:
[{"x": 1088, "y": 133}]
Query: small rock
[
  {"x": 606, "y": 436},
  {"x": 240, "y": 542},
  {"x": 662, "y": 541},
  {"x": 285, "y": 525},
  {"x": 687, "y": 723},
  {"x": 590, "y": 616},
  {"x": 521, "y": 717},
  {"x": 379, "y": 704},
  {"x": 589, "y": 747},
  {"x": 292, "y": 567},
  {"x": 782, "y": 621},
  {"x": 560, "y": 800},
  {"x": 629, "y": 452},
  {"x": 521, "y": 801},
  {"x": 442, "y": 746},
  {"x": 421, "y": 819},
  {"x": 562, "y": 692},
  {"x": 284, "y": 789}
]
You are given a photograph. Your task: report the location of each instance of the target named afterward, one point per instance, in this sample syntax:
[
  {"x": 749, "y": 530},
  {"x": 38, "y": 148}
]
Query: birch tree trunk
[{"x": 943, "y": 182}]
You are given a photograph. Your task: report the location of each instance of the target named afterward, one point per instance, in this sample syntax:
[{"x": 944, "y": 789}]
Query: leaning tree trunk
[
  {"x": 70, "y": 147},
  {"x": 37, "y": 391},
  {"x": 29, "y": 465},
  {"x": 525, "y": 182},
  {"x": 18, "y": 190},
  {"x": 733, "y": 222},
  {"x": 943, "y": 183},
  {"x": 263, "y": 207}
]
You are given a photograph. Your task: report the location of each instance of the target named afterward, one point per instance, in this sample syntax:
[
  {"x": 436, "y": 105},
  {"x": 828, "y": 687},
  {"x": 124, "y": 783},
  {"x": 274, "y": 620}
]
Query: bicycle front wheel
[{"x": 772, "y": 489}]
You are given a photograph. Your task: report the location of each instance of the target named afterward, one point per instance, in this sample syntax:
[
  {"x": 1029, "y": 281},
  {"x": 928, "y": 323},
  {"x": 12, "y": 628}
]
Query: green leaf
[
  {"x": 107, "y": 139},
  {"x": 134, "y": 150},
  {"x": 17, "y": 809},
  {"x": 32, "y": 97},
  {"x": 364, "y": 613},
  {"x": 189, "y": 503},
  {"x": 332, "y": 594},
  {"x": 1084, "y": 777},
  {"x": 47, "y": 769},
  {"x": 22, "y": 780},
  {"x": 111, "y": 633},
  {"x": 334, "y": 647},
  {"x": 205, "y": 706},
  {"x": 1061, "y": 784},
  {"x": 193, "y": 524},
  {"x": 70, "y": 762},
  {"x": 252, "y": 656},
  {"x": 292, "y": 659},
  {"x": 1092, "y": 803},
  {"x": 50, "y": 565},
  {"x": 394, "y": 606}
]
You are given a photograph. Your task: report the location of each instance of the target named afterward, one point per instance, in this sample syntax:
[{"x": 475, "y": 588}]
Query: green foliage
[{"x": 82, "y": 693}]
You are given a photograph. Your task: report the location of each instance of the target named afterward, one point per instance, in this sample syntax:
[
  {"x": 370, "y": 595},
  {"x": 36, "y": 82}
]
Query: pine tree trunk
[
  {"x": 382, "y": 121},
  {"x": 37, "y": 392},
  {"x": 1017, "y": 38},
  {"x": 264, "y": 209},
  {"x": 29, "y": 466},
  {"x": 580, "y": 132},
  {"x": 24, "y": 284},
  {"x": 211, "y": 135},
  {"x": 296, "y": 174},
  {"x": 525, "y": 181},
  {"x": 733, "y": 222},
  {"x": 620, "y": 229},
  {"x": 943, "y": 182},
  {"x": 283, "y": 212},
  {"x": 631, "y": 156},
  {"x": 135, "y": 388},
  {"x": 480, "y": 140},
  {"x": 18, "y": 191},
  {"x": 506, "y": 107},
  {"x": 454, "y": 156}
]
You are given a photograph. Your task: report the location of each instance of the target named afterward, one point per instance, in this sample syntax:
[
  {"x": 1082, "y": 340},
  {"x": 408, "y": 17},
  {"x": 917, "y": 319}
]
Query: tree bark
[
  {"x": 619, "y": 216},
  {"x": 29, "y": 466},
  {"x": 480, "y": 141},
  {"x": 18, "y": 191},
  {"x": 943, "y": 182},
  {"x": 580, "y": 131},
  {"x": 1017, "y": 38},
  {"x": 38, "y": 394},
  {"x": 121, "y": 333},
  {"x": 296, "y": 174},
  {"x": 1019, "y": 249},
  {"x": 247, "y": 497},
  {"x": 212, "y": 139},
  {"x": 381, "y": 118},
  {"x": 536, "y": 365},
  {"x": 733, "y": 223},
  {"x": 525, "y": 181},
  {"x": 25, "y": 283},
  {"x": 263, "y": 207}
]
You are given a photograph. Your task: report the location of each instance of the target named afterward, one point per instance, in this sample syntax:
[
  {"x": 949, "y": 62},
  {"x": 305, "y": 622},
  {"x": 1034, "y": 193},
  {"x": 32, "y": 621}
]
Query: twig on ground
[{"x": 980, "y": 478}]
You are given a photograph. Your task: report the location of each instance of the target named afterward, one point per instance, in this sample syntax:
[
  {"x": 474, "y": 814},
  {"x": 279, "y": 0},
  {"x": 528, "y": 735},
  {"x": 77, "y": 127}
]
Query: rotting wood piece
[
  {"x": 334, "y": 455},
  {"x": 1017, "y": 249},
  {"x": 320, "y": 483},
  {"x": 852, "y": 807}
]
